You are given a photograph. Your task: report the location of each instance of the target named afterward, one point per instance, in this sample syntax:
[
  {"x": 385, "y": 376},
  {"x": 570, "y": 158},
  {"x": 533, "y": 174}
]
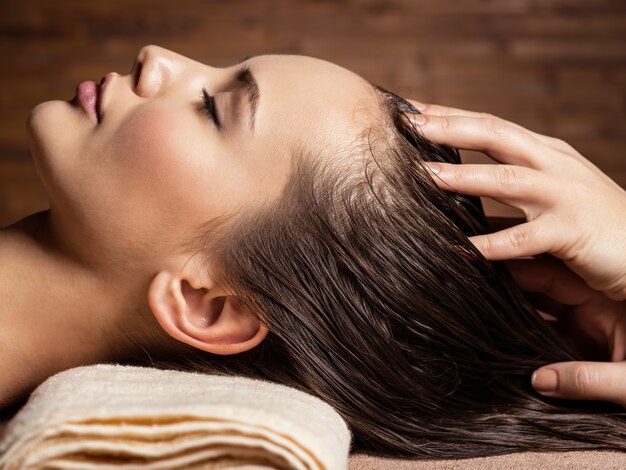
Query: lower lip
[{"x": 87, "y": 94}]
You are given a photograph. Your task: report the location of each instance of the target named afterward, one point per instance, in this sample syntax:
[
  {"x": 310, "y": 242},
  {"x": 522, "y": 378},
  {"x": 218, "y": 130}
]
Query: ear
[{"x": 204, "y": 317}]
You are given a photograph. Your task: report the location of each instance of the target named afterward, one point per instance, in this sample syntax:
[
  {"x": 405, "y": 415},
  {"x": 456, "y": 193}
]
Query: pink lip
[
  {"x": 87, "y": 94},
  {"x": 90, "y": 96}
]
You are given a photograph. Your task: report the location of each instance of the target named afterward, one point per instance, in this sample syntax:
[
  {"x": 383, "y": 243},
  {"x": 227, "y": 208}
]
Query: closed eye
[{"x": 211, "y": 109}]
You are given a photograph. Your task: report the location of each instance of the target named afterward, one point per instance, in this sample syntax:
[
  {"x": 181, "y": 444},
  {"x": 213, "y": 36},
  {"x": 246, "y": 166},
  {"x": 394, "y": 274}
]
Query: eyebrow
[{"x": 252, "y": 90}]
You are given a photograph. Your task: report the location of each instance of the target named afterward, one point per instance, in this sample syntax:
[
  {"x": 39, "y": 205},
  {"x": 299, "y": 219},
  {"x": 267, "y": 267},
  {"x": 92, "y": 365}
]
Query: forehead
[
  {"x": 311, "y": 91},
  {"x": 307, "y": 104}
]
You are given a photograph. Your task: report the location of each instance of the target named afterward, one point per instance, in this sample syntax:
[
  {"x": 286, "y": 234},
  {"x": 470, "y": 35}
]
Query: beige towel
[{"x": 112, "y": 416}]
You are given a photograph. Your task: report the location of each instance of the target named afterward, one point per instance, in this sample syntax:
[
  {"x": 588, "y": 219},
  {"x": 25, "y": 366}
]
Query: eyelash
[
  {"x": 209, "y": 100},
  {"x": 209, "y": 106}
]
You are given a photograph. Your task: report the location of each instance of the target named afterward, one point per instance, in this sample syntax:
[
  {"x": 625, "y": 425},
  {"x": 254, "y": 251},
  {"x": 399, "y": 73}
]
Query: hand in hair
[
  {"x": 584, "y": 315},
  {"x": 574, "y": 211}
]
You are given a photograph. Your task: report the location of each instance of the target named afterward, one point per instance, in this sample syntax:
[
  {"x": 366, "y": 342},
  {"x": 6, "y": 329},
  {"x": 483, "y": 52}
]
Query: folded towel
[{"x": 112, "y": 416}]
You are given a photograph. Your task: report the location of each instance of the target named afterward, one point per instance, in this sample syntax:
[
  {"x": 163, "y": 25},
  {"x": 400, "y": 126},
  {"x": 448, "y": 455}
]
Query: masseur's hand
[
  {"x": 574, "y": 211},
  {"x": 593, "y": 321}
]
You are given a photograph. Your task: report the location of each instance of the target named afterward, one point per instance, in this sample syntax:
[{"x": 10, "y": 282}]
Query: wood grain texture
[{"x": 555, "y": 66}]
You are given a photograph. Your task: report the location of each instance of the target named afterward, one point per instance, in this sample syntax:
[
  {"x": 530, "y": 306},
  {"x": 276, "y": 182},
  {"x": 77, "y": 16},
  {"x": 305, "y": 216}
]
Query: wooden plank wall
[{"x": 555, "y": 66}]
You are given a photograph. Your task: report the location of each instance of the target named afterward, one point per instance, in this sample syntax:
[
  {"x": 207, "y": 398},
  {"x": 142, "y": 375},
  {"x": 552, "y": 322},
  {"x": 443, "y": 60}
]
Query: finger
[
  {"x": 583, "y": 381},
  {"x": 510, "y": 184},
  {"x": 502, "y": 141},
  {"x": 439, "y": 110},
  {"x": 551, "y": 277},
  {"x": 552, "y": 142},
  {"x": 529, "y": 239}
]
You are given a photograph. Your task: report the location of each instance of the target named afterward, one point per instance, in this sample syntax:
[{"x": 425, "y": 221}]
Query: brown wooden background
[{"x": 555, "y": 66}]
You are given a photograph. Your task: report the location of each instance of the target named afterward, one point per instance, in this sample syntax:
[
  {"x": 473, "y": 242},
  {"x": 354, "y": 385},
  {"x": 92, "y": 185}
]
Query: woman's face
[{"x": 157, "y": 165}]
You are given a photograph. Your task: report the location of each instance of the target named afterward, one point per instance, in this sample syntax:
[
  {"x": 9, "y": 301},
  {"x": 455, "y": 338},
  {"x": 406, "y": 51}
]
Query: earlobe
[{"x": 204, "y": 317}]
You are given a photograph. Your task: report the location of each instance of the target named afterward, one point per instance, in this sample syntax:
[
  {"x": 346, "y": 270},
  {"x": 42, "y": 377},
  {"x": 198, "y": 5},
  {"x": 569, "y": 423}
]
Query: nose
[{"x": 155, "y": 68}]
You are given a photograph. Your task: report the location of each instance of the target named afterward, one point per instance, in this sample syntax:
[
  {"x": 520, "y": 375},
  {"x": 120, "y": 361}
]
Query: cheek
[
  {"x": 154, "y": 146},
  {"x": 169, "y": 166}
]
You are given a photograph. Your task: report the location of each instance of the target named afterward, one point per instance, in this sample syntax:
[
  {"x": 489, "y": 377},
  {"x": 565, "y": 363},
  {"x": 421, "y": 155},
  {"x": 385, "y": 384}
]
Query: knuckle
[
  {"x": 615, "y": 287},
  {"x": 501, "y": 129},
  {"x": 584, "y": 379},
  {"x": 498, "y": 128},
  {"x": 507, "y": 177},
  {"x": 519, "y": 237},
  {"x": 562, "y": 145},
  {"x": 458, "y": 173},
  {"x": 444, "y": 123},
  {"x": 566, "y": 148}
]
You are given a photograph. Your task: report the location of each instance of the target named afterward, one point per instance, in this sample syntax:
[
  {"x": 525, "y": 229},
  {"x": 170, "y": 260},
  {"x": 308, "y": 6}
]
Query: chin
[
  {"x": 53, "y": 129},
  {"x": 48, "y": 118}
]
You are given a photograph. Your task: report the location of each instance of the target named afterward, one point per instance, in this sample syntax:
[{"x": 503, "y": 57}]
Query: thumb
[{"x": 583, "y": 381}]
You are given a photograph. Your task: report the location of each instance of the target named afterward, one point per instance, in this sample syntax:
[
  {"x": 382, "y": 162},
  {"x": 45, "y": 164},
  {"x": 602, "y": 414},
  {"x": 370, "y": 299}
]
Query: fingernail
[
  {"x": 433, "y": 168},
  {"x": 545, "y": 380}
]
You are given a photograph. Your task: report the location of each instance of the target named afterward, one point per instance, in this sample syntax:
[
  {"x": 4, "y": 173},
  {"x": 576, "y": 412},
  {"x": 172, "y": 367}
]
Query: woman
[{"x": 275, "y": 219}]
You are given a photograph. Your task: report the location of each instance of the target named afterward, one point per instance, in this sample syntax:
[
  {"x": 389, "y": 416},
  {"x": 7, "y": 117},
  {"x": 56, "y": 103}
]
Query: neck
[{"x": 58, "y": 311}]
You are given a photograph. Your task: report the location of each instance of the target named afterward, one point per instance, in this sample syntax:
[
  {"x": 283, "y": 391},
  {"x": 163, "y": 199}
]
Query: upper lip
[{"x": 103, "y": 85}]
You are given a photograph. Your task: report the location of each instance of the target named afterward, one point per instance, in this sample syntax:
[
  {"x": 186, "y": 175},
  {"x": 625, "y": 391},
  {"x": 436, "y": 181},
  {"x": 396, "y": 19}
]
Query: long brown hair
[{"x": 377, "y": 303}]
